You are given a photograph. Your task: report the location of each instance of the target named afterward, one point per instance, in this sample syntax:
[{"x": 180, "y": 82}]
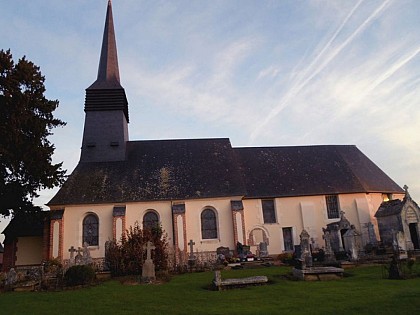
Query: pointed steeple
[
  {"x": 106, "y": 93},
  {"x": 105, "y": 135},
  {"x": 108, "y": 72}
]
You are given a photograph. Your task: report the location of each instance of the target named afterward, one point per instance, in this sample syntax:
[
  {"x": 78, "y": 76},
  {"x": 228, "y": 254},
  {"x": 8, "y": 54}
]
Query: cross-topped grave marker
[
  {"x": 149, "y": 247},
  {"x": 148, "y": 268},
  {"x": 191, "y": 244},
  {"x": 72, "y": 250}
]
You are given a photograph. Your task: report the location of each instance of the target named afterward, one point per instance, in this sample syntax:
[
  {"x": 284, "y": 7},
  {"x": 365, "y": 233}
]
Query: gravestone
[
  {"x": 240, "y": 250},
  {"x": 352, "y": 242},
  {"x": 371, "y": 234},
  {"x": 297, "y": 251},
  {"x": 306, "y": 256},
  {"x": 148, "y": 270},
  {"x": 191, "y": 258},
  {"x": 191, "y": 243},
  {"x": 223, "y": 253},
  {"x": 79, "y": 257},
  {"x": 263, "y": 250},
  {"x": 11, "y": 277},
  {"x": 86, "y": 258},
  {"x": 72, "y": 250},
  {"x": 83, "y": 255},
  {"x": 328, "y": 252}
]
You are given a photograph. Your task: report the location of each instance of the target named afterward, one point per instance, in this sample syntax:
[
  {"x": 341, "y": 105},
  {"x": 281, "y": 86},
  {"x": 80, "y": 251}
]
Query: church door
[{"x": 414, "y": 235}]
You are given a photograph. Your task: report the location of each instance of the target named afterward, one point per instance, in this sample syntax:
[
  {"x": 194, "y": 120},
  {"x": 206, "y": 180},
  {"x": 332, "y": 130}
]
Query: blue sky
[{"x": 262, "y": 73}]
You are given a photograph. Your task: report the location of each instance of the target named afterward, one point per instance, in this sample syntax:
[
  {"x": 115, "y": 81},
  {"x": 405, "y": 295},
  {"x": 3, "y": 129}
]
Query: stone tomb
[
  {"x": 309, "y": 273},
  {"x": 399, "y": 223},
  {"x": 318, "y": 273},
  {"x": 220, "y": 284}
]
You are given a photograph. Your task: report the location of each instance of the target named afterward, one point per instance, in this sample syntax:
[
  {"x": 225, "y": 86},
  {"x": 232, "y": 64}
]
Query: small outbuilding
[
  {"x": 398, "y": 222},
  {"x": 26, "y": 242}
]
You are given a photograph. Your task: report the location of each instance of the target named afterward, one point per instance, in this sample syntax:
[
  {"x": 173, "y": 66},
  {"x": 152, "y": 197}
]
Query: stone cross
[
  {"x": 78, "y": 258},
  {"x": 86, "y": 258},
  {"x": 191, "y": 244},
  {"x": 148, "y": 268},
  {"x": 306, "y": 255},
  {"x": 148, "y": 247},
  {"x": 72, "y": 250}
]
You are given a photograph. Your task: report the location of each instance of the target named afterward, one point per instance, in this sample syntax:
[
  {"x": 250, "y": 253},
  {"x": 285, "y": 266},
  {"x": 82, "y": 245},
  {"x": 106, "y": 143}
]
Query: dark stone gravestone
[
  {"x": 223, "y": 253},
  {"x": 263, "y": 249}
]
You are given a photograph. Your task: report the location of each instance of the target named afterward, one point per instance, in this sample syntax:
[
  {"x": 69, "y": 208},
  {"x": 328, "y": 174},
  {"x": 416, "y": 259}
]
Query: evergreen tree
[{"x": 26, "y": 121}]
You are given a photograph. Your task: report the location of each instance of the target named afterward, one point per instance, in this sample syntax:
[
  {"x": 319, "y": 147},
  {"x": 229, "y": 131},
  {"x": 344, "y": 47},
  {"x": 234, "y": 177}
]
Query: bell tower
[{"x": 105, "y": 133}]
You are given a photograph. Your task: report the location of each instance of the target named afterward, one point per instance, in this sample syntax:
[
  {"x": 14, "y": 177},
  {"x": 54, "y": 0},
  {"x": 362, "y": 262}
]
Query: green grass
[{"x": 362, "y": 291}]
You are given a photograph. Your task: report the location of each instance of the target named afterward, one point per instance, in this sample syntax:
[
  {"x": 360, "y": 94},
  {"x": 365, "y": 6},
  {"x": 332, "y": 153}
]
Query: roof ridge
[{"x": 298, "y": 146}]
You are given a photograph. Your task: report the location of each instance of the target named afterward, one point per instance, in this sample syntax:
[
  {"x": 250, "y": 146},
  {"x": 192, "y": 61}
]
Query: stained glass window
[
  {"x": 91, "y": 230},
  {"x": 150, "y": 220},
  {"x": 208, "y": 224}
]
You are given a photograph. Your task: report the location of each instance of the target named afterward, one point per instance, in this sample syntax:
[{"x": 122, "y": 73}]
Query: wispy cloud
[
  {"x": 277, "y": 73},
  {"x": 321, "y": 60}
]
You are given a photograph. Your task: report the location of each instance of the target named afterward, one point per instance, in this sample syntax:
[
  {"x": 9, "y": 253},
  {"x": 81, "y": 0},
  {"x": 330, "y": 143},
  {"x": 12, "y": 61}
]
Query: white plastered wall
[
  {"x": 222, "y": 207},
  {"x": 309, "y": 212},
  {"x": 73, "y": 227}
]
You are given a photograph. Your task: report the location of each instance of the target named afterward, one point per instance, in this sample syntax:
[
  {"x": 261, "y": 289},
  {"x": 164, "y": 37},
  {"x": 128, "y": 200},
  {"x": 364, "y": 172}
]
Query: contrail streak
[
  {"x": 296, "y": 88},
  {"x": 395, "y": 67}
]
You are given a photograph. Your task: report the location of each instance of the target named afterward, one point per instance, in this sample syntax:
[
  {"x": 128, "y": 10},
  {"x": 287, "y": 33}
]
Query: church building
[{"x": 204, "y": 190}]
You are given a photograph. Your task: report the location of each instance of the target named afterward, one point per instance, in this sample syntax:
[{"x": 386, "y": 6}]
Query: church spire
[
  {"x": 108, "y": 72},
  {"x": 105, "y": 135}
]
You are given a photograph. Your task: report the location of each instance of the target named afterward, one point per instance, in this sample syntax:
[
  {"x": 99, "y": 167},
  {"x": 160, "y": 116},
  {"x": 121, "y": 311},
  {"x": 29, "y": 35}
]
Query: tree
[{"x": 26, "y": 121}]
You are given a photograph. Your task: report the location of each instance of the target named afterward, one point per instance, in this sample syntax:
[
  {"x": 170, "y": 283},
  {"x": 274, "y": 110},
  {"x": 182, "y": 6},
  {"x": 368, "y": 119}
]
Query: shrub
[
  {"x": 52, "y": 266},
  {"x": 79, "y": 275},
  {"x": 127, "y": 256},
  {"x": 286, "y": 258}
]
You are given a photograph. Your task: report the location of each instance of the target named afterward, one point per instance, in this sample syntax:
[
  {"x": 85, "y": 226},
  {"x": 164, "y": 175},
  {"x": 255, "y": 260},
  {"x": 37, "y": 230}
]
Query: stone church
[{"x": 202, "y": 190}]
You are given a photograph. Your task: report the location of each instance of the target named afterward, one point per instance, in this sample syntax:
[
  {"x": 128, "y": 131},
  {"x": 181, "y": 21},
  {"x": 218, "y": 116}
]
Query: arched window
[
  {"x": 208, "y": 224},
  {"x": 150, "y": 220},
  {"x": 91, "y": 230}
]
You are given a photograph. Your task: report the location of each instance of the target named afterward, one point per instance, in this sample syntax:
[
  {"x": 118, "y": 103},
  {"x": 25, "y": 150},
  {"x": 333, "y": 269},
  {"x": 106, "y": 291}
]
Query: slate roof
[
  {"x": 390, "y": 207},
  {"x": 157, "y": 170},
  {"x": 311, "y": 170},
  {"x": 393, "y": 207},
  {"x": 208, "y": 168}
]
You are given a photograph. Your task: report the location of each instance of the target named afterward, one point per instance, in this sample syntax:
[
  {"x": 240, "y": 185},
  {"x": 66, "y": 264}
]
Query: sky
[{"x": 262, "y": 73}]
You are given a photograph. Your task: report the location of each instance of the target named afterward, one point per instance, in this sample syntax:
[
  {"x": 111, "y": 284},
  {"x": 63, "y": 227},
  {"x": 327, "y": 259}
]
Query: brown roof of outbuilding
[
  {"x": 28, "y": 224},
  {"x": 207, "y": 168}
]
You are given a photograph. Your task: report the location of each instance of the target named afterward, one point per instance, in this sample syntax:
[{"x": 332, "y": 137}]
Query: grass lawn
[{"x": 362, "y": 291}]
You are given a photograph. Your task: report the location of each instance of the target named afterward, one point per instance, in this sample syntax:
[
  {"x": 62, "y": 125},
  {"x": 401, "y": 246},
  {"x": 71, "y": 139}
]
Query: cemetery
[{"x": 139, "y": 272}]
